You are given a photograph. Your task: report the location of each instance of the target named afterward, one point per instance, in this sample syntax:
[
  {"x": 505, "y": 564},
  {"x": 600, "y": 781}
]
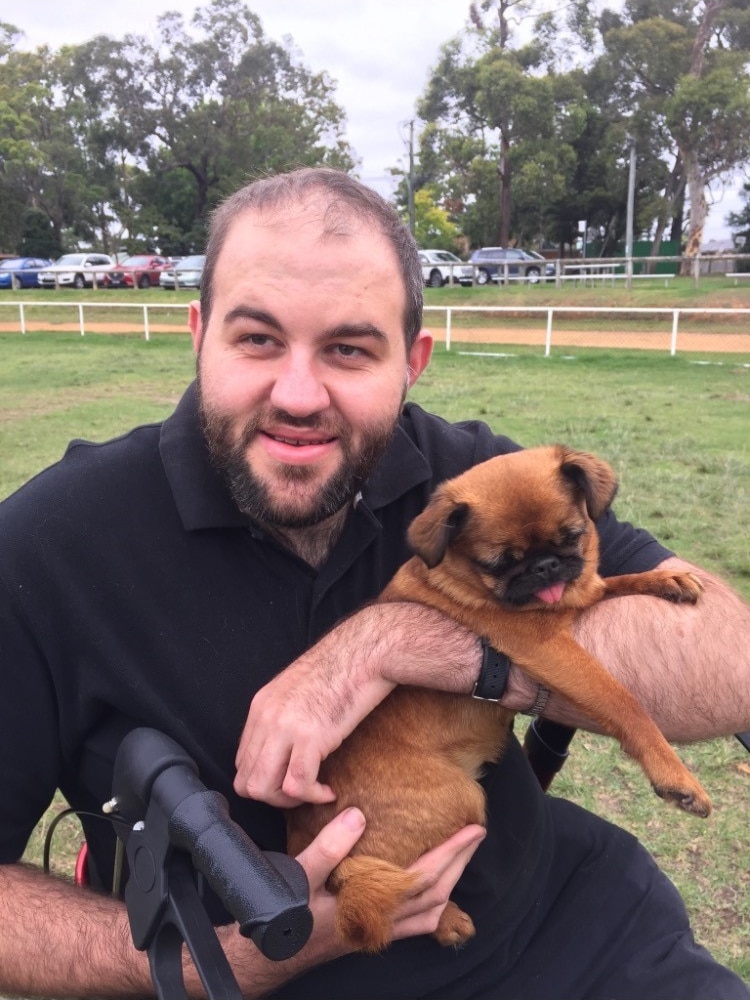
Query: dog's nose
[{"x": 545, "y": 567}]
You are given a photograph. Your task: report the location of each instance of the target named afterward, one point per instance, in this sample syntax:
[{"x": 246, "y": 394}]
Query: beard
[{"x": 290, "y": 501}]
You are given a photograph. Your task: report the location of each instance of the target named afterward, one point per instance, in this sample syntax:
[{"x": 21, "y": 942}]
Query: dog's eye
[
  {"x": 571, "y": 536},
  {"x": 499, "y": 566}
]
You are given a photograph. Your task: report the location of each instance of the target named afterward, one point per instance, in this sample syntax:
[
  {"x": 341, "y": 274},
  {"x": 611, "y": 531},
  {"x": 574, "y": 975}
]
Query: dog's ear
[
  {"x": 432, "y": 531},
  {"x": 593, "y": 477}
]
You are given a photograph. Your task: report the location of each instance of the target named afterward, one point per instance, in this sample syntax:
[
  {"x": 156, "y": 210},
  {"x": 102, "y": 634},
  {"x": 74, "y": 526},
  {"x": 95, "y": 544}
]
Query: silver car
[
  {"x": 76, "y": 270},
  {"x": 497, "y": 263},
  {"x": 186, "y": 273},
  {"x": 440, "y": 267}
]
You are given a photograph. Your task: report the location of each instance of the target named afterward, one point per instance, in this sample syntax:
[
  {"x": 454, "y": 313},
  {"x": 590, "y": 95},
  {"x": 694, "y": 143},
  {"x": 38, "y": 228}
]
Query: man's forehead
[{"x": 316, "y": 217}]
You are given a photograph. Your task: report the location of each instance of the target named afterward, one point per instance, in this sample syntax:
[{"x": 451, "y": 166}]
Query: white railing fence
[
  {"x": 724, "y": 329},
  {"x": 672, "y": 329}
]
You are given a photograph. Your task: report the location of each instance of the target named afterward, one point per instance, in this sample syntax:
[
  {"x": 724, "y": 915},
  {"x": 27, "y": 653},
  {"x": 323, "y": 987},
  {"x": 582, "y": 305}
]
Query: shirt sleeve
[
  {"x": 29, "y": 736},
  {"x": 626, "y": 549}
]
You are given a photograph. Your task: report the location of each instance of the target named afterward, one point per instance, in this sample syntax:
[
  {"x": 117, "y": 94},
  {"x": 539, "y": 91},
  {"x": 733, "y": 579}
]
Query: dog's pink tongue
[{"x": 551, "y": 594}]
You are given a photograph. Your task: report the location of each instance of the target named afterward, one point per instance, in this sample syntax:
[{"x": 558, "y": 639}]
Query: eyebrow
[
  {"x": 343, "y": 330},
  {"x": 248, "y": 312}
]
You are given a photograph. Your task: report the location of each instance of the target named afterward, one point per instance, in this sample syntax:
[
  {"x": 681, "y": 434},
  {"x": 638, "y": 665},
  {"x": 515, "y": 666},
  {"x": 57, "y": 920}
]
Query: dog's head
[{"x": 520, "y": 526}]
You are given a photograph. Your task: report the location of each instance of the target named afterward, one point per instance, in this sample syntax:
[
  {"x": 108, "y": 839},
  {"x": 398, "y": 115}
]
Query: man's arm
[
  {"x": 59, "y": 939},
  {"x": 690, "y": 667}
]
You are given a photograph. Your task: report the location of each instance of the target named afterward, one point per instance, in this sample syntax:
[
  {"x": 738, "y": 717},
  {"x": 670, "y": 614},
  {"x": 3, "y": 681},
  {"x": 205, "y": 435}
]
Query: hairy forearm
[
  {"x": 58, "y": 940},
  {"x": 61, "y": 940},
  {"x": 688, "y": 665}
]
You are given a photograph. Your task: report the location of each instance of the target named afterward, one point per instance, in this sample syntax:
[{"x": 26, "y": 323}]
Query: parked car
[
  {"x": 77, "y": 270},
  {"x": 141, "y": 271},
  {"x": 522, "y": 264},
  {"x": 187, "y": 273},
  {"x": 437, "y": 269},
  {"x": 22, "y": 272}
]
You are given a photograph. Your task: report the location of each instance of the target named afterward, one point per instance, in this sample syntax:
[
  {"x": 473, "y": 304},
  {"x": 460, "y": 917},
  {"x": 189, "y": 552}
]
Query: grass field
[{"x": 677, "y": 434}]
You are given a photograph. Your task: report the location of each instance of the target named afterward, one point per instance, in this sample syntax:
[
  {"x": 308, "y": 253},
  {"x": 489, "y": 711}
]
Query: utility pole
[
  {"x": 412, "y": 219},
  {"x": 629, "y": 217}
]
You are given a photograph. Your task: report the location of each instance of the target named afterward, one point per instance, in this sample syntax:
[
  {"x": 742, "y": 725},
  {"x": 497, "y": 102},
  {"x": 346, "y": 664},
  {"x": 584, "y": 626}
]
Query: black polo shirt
[{"x": 133, "y": 592}]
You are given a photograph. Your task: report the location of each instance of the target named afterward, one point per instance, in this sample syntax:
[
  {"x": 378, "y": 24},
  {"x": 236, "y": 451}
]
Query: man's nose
[{"x": 299, "y": 388}]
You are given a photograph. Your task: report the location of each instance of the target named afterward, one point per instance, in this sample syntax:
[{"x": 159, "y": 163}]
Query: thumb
[{"x": 332, "y": 845}]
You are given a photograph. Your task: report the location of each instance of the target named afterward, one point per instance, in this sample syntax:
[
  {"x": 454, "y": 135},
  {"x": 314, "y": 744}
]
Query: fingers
[
  {"x": 441, "y": 868},
  {"x": 331, "y": 846},
  {"x": 278, "y": 766}
]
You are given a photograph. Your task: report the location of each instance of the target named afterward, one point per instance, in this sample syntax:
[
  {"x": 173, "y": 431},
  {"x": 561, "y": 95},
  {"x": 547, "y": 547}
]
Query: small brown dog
[{"x": 508, "y": 549}]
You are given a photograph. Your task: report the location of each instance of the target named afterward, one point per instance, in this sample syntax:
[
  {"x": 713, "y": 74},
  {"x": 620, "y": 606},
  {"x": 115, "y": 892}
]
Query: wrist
[
  {"x": 540, "y": 701},
  {"x": 494, "y": 669}
]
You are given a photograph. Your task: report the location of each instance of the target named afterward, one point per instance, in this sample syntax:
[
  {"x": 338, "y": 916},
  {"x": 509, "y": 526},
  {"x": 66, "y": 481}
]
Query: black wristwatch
[{"x": 493, "y": 674}]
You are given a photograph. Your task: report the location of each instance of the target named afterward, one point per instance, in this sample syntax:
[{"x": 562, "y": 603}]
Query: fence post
[
  {"x": 22, "y": 318},
  {"x": 145, "y": 322},
  {"x": 675, "y": 323},
  {"x": 548, "y": 341},
  {"x": 448, "y": 314},
  {"x": 80, "y": 317}
]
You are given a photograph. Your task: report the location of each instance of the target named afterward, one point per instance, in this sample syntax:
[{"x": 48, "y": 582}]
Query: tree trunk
[
  {"x": 696, "y": 187},
  {"x": 505, "y": 195},
  {"x": 672, "y": 197},
  {"x": 695, "y": 180}
]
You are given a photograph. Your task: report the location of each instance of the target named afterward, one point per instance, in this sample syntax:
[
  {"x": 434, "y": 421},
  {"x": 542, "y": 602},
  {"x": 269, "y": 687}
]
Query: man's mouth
[
  {"x": 298, "y": 447},
  {"x": 300, "y": 442}
]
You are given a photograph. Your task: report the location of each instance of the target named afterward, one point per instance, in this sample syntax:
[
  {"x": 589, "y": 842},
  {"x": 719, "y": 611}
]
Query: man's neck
[{"x": 313, "y": 544}]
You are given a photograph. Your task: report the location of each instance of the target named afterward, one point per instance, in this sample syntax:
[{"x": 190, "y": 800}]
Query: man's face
[{"x": 302, "y": 367}]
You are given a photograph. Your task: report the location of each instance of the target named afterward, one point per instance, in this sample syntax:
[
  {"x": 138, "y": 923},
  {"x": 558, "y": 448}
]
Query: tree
[
  {"x": 510, "y": 117},
  {"x": 740, "y": 223},
  {"x": 683, "y": 92},
  {"x": 220, "y": 102},
  {"x": 129, "y": 141},
  {"x": 433, "y": 228}
]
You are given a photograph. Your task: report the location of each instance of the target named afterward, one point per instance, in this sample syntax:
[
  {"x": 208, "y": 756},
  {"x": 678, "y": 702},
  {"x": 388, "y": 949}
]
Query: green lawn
[{"x": 676, "y": 432}]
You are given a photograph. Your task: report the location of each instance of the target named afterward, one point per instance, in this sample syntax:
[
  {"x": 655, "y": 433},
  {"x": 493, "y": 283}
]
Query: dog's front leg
[{"x": 562, "y": 664}]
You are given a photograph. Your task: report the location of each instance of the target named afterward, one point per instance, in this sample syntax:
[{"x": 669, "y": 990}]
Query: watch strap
[{"x": 493, "y": 674}]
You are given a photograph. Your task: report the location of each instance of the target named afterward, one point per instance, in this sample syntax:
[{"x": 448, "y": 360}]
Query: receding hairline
[{"x": 337, "y": 201}]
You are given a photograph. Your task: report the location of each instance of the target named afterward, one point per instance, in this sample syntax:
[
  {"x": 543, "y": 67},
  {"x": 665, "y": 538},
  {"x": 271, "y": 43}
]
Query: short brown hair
[{"x": 346, "y": 197}]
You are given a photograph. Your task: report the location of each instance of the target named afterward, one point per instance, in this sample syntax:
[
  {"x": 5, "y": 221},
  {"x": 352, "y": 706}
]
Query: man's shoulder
[
  {"x": 462, "y": 443},
  {"x": 88, "y": 470}
]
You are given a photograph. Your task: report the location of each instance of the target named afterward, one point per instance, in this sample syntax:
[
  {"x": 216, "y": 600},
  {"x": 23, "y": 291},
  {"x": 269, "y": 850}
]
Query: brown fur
[{"x": 411, "y": 766}]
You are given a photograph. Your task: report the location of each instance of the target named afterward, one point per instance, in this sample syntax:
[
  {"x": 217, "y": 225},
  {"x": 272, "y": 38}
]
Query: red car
[{"x": 142, "y": 271}]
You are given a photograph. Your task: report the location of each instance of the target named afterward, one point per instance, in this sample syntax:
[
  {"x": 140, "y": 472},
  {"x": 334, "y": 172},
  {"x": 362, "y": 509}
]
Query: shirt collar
[{"x": 203, "y": 499}]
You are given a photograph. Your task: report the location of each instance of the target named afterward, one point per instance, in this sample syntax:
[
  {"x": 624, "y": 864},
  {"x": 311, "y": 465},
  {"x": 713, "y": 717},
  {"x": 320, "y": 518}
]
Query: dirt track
[{"x": 724, "y": 343}]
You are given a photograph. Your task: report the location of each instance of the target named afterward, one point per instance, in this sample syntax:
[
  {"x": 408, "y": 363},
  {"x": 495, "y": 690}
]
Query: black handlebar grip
[{"x": 269, "y": 904}]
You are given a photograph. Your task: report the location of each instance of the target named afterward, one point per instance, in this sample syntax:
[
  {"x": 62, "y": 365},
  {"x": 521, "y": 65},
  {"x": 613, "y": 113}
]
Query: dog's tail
[{"x": 369, "y": 890}]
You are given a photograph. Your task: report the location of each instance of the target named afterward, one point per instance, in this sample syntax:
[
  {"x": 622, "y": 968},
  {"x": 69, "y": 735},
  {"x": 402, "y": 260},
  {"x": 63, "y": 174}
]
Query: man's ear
[
  {"x": 420, "y": 353},
  {"x": 196, "y": 325},
  {"x": 432, "y": 531}
]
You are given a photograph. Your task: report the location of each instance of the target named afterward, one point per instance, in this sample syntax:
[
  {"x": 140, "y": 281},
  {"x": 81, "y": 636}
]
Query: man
[{"x": 168, "y": 578}]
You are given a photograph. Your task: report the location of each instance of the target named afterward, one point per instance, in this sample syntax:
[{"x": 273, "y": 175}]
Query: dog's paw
[
  {"x": 693, "y": 799},
  {"x": 681, "y": 588},
  {"x": 455, "y": 927}
]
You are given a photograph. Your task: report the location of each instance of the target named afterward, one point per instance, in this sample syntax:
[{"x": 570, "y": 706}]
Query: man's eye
[
  {"x": 349, "y": 351},
  {"x": 256, "y": 339}
]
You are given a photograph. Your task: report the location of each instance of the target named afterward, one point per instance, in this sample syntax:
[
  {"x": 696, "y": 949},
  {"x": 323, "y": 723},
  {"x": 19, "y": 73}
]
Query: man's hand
[
  {"x": 309, "y": 709},
  {"x": 440, "y": 869},
  {"x": 294, "y": 723}
]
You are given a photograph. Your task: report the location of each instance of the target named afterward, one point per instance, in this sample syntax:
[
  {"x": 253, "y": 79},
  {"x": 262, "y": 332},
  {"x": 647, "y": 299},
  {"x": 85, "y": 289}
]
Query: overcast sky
[{"x": 380, "y": 53}]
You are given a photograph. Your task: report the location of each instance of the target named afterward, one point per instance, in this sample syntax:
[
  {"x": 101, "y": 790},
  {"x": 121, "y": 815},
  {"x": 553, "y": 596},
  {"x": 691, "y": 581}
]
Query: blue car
[{"x": 21, "y": 272}]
